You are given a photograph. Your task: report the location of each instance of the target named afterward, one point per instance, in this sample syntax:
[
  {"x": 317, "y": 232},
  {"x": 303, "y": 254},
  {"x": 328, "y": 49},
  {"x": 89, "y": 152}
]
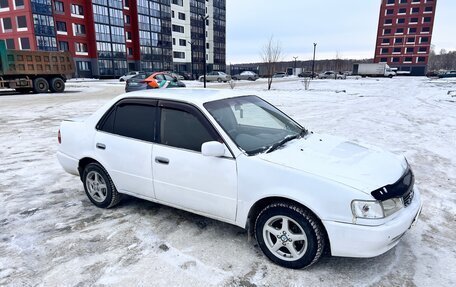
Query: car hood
[{"x": 352, "y": 164}]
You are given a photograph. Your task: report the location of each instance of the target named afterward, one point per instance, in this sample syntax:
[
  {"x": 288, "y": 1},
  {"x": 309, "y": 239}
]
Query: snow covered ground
[{"x": 51, "y": 235}]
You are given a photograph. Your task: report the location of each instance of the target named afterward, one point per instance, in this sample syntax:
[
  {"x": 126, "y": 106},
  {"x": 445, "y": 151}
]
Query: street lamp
[
  {"x": 295, "y": 58},
  {"x": 313, "y": 62},
  {"x": 191, "y": 55},
  {"x": 204, "y": 18}
]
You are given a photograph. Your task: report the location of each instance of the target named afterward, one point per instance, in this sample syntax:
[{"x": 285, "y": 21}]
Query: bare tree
[{"x": 271, "y": 54}]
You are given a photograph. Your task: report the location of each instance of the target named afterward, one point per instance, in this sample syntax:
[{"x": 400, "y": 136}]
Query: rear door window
[{"x": 133, "y": 120}]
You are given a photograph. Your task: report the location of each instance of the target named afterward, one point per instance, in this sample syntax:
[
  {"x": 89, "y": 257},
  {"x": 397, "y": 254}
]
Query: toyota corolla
[{"x": 236, "y": 158}]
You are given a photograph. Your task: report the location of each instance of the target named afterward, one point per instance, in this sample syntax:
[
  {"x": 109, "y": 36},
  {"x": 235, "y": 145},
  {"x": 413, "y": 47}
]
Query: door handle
[
  {"x": 162, "y": 160},
  {"x": 100, "y": 146}
]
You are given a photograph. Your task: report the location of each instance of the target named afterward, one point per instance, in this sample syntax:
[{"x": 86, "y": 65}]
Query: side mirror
[{"x": 213, "y": 148}]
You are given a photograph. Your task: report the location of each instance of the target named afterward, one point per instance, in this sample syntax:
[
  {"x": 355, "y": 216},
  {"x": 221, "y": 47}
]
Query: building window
[
  {"x": 178, "y": 2},
  {"x": 383, "y": 60},
  {"x": 7, "y": 25},
  {"x": 128, "y": 35},
  {"x": 426, "y": 19},
  {"x": 3, "y": 4},
  {"x": 172, "y": 13},
  {"x": 402, "y": 11},
  {"x": 401, "y": 21},
  {"x": 386, "y": 31},
  {"x": 83, "y": 66},
  {"x": 390, "y": 2},
  {"x": 25, "y": 43},
  {"x": 126, "y": 3},
  {"x": 384, "y": 51},
  {"x": 77, "y": 10},
  {"x": 130, "y": 51},
  {"x": 19, "y": 3},
  {"x": 21, "y": 22},
  {"x": 127, "y": 19},
  {"x": 388, "y": 21},
  {"x": 63, "y": 46},
  {"x": 398, "y": 40},
  {"x": 413, "y": 20},
  {"x": 182, "y": 42},
  {"x": 10, "y": 44},
  {"x": 61, "y": 26},
  {"x": 396, "y": 50},
  {"x": 179, "y": 55},
  {"x": 425, "y": 29},
  {"x": 412, "y": 30},
  {"x": 396, "y": 60},
  {"x": 420, "y": 59},
  {"x": 415, "y": 1},
  {"x": 408, "y": 60},
  {"x": 428, "y": 9},
  {"x": 422, "y": 50},
  {"x": 409, "y": 50},
  {"x": 81, "y": 47},
  {"x": 389, "y": 11},
  {"x": 78, "y": 29},
  {"x": 177, "y": 28},
  {"x": 385, "y": 41},
  {"x": 415, "y": 10},
  {"x": 58, "y": 7},
  {"x": 400, "y": 31},
  {"x": 424, "y": 39},
  {"x": 403, "y": 1},
  {"x": 410, "y": 40},
  {"x": 181, "y": 16}
]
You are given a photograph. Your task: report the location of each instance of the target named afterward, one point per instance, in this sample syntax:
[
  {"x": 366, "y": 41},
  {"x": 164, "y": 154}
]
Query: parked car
[
  {"x": 331, "y": 75},
  {"x": 246, "y": 75},
  {"x": 177, "y": 76},
  {"x": 216, "y": 76},
  {"x": 280, "y": 75},
  {"x": 448, "y": 74},
  {"x": 307, "y": 74},
  {"x": 144, "y": 81},
  {"x": 129, "y": 75},
  {"x": 238, "y": 159},
  {"x": 187, "y": 76}
]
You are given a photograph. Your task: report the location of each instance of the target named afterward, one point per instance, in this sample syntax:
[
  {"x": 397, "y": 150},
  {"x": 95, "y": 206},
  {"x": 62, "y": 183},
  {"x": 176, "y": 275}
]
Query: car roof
[{"x": 196, "y": 96}]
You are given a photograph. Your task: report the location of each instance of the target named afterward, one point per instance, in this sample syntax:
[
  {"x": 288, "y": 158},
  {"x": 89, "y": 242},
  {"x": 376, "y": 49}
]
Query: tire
[
  {"x": 57, "y": 85},
  {"x": 99, "y": 187},
  {"x": 250, "y": 79},
  {"x": 390, "y": 76},
  {"x": 40, "y": 85},
  {"x": 121, "y": 80},
  {"x": 298, "y": 244},
  {"x": 235, "y": 79},
  {"x": 219, "y": 80}
]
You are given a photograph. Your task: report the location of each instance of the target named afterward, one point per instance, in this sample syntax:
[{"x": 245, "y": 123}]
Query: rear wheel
[
  {"x": 57, "y": 85},
  {"x": 40, "y": 85},
  {"x": 289, "y": 235},
  {"x": 99, "y": 187},
  {"x": 219, "y": 80}
]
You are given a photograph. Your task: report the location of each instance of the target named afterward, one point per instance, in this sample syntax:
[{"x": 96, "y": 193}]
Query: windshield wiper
[{"x": 285, "y": 140}]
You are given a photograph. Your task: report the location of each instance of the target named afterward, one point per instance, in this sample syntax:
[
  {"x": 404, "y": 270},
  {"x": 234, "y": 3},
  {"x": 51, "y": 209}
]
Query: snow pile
[{"x": 50, "y": 234}]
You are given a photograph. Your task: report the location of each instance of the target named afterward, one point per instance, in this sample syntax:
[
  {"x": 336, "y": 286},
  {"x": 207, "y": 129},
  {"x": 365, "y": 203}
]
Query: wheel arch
[
  {"x": 83, "y": 163},
  {"x": 259, "y": 205}
]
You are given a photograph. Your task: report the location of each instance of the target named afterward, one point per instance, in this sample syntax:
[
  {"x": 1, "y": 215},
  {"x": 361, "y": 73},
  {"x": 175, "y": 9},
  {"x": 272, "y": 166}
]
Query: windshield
[{"x": 253, "y": 124}]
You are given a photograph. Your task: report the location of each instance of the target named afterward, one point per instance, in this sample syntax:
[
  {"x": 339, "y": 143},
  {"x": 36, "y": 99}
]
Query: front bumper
[{"x": 353, "y": 240}]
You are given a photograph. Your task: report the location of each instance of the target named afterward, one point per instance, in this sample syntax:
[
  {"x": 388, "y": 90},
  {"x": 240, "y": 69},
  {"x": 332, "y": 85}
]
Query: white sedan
[{"x": 238, "y": 159}]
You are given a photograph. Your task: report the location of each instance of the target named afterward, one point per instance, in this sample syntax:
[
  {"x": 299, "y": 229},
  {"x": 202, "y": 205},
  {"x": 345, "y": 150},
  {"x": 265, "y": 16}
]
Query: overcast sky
[{"x": 346, "y": 27}]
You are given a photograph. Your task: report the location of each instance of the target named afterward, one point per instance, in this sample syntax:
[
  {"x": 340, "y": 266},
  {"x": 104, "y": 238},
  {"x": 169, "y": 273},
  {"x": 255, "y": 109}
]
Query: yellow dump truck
[{"x": 37, "y": 71}]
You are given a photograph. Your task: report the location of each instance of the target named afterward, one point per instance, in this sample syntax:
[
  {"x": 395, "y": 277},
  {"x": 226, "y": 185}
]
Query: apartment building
[
  {"x": 404, "y": 34},
  {"x": 108, "y": 38}
]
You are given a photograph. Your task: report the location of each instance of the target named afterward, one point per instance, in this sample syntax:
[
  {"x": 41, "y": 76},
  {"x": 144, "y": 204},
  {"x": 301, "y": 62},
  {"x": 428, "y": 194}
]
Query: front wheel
[
  {"x": 219, "y": 80},
  {"x": 289, "y": 235},
  {"x": 99, "y": 187}
]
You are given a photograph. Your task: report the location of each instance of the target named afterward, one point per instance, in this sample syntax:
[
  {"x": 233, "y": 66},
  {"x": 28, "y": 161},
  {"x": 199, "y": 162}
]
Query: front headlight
[
  {"x": 367, "y": 209},
  {"x": 392, "y": 205}
]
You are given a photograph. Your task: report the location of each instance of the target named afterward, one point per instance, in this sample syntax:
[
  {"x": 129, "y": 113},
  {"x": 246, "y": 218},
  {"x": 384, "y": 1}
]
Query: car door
[
  {"x": 182, "y": 176},
  {"x": 123, "y": 144}
]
